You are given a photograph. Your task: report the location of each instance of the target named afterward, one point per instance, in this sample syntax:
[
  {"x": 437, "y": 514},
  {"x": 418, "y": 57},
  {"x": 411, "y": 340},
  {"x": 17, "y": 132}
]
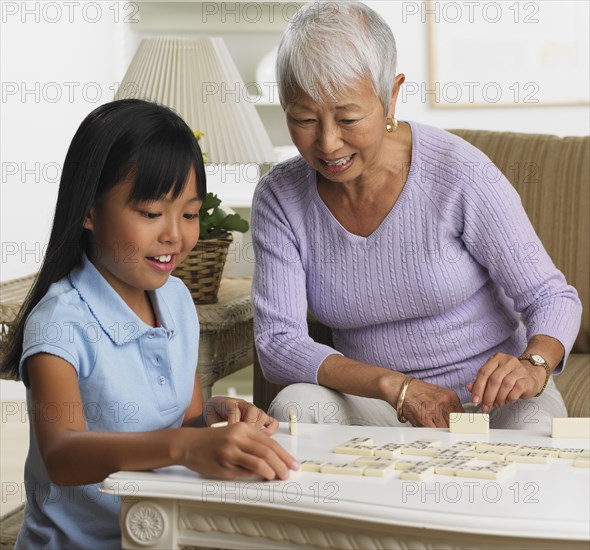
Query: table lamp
[{"x": 199, "y": 80}]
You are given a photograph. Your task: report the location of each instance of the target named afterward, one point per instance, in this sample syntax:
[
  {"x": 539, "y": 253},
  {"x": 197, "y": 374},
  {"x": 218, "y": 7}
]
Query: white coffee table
[{"x": 541, "y": 506}]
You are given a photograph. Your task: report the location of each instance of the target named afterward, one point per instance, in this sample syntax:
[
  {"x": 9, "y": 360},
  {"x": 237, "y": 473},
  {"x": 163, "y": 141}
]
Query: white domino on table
[
  {"x": 389, "y": 450},
  {"x": 446, "y": 454},
  {"x": 422, "y": 447},
  {"x": 469, "y": 423},
  {"x": 419, "y": 471},
  {"x": 538, "y": 449},
  {"x": 365, "y": 441},
  {"x": 530, "y": 458},
  {"x": 311, "y": 465},
  {"x": 292, "y": 422},
  {"x": 405, "y": 464},
  {"x": 379, "y": 470},
  {"x": 463, "y": 446},
  {"x": 450, "y": 467},
  {"x": 364, "y": 446},
  {"x": 492, "y": 456},
  {"x": 505, "y": 448},
  {"x": 375, "y": 469},
  {"x": 360, "y": 450},
  {"x": 221, "y": 424},
  {"x": 459, "y": 459},
  {"x": 582, "y": 462},
  {"x": 370, "y": 460},
  {"x": 342, "y": 469},
  {"x": 571, "y": 453},
  {"x": 456, "y": 460},
  {"x": 493, "y": 470},
  {"x": 570, "y": 428}
]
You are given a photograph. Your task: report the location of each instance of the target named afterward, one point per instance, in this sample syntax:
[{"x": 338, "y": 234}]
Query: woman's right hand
[
  {"x": 235, "y": 451},
  {"x": 428, "y": 405}
]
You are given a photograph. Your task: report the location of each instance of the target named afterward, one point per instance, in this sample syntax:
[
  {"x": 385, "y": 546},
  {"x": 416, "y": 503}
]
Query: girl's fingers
[
  {"x": 232, "y": 411},
  {"x": 281, "y": 453},
  {"x": 271, "y": 426},
  {"x": 259, "y": 467},
  {"x": 258, "y": 418},
  {"x": 259, "y": 453},
  {"x": 222, "y": 408},
  {"x": 263, "y": 461},
  {"x": 253, "y": 415}
]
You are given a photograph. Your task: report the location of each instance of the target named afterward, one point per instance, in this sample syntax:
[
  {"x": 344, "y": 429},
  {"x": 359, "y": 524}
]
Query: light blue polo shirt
[{"x": 132, "y": 377}]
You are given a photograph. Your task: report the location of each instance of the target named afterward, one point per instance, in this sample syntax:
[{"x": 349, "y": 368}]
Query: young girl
[{"x": 107, "y": 341}]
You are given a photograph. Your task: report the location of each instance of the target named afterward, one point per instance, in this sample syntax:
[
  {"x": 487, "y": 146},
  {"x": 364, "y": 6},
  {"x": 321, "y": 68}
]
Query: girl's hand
[
  {"x": 235, "y": 410},
  {"x": 236, "y": 451},
  {"x": 503, "y": 380},
  {"x": 429, "y": 405}
]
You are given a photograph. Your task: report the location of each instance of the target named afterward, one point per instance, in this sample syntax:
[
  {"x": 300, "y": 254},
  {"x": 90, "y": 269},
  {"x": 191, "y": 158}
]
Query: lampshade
[{"x": 199, "y": 80}]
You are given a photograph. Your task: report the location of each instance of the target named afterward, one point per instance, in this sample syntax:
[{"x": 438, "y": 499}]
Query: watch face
[{"x": 537, "y": 359}]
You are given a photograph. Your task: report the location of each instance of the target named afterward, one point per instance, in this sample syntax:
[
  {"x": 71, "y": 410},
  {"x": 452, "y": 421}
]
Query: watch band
[{"x": 536, "y": 360}]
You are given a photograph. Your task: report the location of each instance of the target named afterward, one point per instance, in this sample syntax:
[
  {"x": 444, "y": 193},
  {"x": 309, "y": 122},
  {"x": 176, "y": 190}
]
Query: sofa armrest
[
  {"x": 265, "y": 391},
  {"x": 574, "y": 384}
]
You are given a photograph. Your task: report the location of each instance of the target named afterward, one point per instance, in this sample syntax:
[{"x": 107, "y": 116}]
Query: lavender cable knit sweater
[{"x": 437, "y": 288}]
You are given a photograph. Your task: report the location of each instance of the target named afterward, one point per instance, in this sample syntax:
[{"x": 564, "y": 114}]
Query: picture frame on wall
[{"x": 507, "y": 54}]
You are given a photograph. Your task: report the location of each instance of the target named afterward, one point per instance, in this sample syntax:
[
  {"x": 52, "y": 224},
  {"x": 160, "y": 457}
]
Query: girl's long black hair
[{"x": 127, "y": 138}]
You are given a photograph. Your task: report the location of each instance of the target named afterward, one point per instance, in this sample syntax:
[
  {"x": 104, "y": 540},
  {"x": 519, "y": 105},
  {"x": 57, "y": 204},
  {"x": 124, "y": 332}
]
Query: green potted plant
[
  {"x": 216, "y": 223},
  {"x": 202, "y": 269}
]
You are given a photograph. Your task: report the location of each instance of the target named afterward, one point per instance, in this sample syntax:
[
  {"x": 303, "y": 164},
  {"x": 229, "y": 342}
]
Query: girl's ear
[{"x": 89, "y": 221}]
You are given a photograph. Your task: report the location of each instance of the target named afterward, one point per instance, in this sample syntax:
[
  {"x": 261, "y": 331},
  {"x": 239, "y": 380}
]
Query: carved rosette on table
[{"x": 145, "y": 523}]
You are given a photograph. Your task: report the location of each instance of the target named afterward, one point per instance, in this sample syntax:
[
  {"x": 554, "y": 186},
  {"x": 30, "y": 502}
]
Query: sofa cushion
[
  {"x": 552, "y": 176},
  {"x": 574, "y": 384}
]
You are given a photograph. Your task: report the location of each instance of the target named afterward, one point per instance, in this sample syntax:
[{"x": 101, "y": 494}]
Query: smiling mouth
[
  {"x": 338, "y": 165},
  {"x": 163, "y": 263},
  {"x": 338, "y": 162},
  {"x": 164, "y": 259}
]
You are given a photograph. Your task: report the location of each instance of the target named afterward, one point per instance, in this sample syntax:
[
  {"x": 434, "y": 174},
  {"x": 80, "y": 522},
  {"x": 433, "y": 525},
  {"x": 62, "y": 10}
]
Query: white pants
[{"x": 316, "y": 404}]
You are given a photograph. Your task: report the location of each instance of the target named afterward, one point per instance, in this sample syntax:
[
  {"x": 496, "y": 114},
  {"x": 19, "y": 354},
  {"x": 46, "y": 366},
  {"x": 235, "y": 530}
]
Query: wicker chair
[{"x": 226, "y": 339}]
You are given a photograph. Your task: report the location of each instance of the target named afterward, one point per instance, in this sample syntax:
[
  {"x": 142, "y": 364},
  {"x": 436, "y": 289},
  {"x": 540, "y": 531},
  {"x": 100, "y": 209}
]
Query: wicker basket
[{"x": 202, "y": 269}]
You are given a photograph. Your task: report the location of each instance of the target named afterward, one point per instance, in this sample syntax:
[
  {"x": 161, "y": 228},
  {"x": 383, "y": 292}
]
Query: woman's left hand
[
  {"x": 232, "y": 410},
  {"x": 503, "y": 380}
]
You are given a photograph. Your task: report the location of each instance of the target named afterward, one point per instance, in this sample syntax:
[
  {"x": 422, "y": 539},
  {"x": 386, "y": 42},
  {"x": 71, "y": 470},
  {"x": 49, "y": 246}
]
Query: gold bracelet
[{"x": 400, "y": 400}]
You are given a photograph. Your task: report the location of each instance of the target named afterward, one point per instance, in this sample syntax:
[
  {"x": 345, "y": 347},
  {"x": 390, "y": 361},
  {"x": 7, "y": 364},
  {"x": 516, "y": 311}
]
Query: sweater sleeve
[
  {"x": 286, "y": 352},
  {"x": 499, "y": 235}
]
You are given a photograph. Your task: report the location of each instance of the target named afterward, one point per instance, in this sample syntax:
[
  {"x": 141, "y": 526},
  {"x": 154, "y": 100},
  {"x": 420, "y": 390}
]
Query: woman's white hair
[{"x": 329, "y": 46}]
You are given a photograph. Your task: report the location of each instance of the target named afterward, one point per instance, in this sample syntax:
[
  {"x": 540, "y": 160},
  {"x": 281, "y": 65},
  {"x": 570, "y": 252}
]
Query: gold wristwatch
[{"x": 538, "y": 361}]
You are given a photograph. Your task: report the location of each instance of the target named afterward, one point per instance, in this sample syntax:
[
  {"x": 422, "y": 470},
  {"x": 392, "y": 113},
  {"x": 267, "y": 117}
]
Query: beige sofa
[{"x": 552, "y": 176}]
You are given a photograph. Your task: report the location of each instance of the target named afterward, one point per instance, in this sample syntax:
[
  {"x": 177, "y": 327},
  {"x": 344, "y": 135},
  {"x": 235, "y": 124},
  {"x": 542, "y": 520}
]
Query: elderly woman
[{"x": 394, "y": 234}]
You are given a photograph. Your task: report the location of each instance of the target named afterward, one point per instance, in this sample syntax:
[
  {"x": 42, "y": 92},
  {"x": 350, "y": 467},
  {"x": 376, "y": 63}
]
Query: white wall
[
  {"x": 37, "y": 127},
  {"x": 57, "y": 64},
  {"x": 509, "y": 21}
]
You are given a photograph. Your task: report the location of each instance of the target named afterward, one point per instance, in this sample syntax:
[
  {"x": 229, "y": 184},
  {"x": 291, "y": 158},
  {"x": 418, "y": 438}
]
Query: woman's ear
[
  {"x": 89, "y": 221},
  {"x": 397, "y": 84}
]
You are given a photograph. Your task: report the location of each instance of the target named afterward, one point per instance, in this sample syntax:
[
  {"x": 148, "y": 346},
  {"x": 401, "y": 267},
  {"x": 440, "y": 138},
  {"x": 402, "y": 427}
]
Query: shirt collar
[{"x": 117, "y": 320}]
